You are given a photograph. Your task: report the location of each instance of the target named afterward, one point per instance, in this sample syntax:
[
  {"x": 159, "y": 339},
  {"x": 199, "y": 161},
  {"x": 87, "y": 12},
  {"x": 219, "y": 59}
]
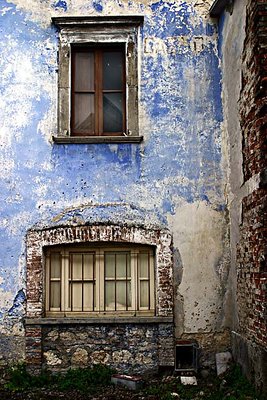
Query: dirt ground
[
  {"x": 231, "y": 386},
  {"x": 160, "y": 388},
  {"x": 111, "y": 392}
]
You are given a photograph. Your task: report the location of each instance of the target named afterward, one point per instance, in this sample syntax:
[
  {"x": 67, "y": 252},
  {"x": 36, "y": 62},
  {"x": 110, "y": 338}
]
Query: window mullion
[
  {"x": 101, "y": 281},
  {"x": 151, "y": 282},
  {"x": 72, "y": 89},
  {"x": 124, "y": 124},
  {"x": 64, "y": 280},
  {"x": 47, "y": 280},
  {"x": 82, "y": 281},
  {"x": 99, "y": 92},
  {"x": 134, "y": 283}
]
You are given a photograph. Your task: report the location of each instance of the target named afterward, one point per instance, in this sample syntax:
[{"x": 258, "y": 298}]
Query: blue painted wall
[{"x": 179, "y": 162}]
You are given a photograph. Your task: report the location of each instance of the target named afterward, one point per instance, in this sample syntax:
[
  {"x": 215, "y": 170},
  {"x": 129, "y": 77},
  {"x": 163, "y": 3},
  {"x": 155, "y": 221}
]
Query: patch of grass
[
  {"x": 232, "y": 386},
  {"x": 237, "y": 387},
  {"x": 87, "y": 379},
  {"x": 20, "y": 379},
  {"x": 162, "y": 391}
]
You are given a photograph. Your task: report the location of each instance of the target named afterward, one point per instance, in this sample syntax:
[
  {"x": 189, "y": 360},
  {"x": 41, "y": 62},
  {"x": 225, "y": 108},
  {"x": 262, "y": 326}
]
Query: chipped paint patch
[
  {"x": 6, "y": 298},
  {"x": 177, "y": 45},
  {"x": 17, "y": 223},
  {"x": 199, "y": 236},
  {"x": 174, "y": 176},
  {"x": 41, "y": 12}
]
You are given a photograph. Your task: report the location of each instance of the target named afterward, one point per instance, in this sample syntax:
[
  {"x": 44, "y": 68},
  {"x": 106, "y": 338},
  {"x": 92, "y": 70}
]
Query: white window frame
[{"x": 99, "y": 252}]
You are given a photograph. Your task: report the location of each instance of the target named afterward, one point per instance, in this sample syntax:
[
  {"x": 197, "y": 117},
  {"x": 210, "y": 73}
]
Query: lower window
[{"x": 84, "y": 281}]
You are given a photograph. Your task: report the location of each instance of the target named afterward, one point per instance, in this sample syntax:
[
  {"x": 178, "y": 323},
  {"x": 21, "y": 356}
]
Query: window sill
[
  {"x": 99, "y": 320},
  {"x": 96, "y": 139}
]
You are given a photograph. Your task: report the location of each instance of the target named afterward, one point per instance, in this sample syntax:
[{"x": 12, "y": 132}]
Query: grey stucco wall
[{"x": 232, "y": 31}]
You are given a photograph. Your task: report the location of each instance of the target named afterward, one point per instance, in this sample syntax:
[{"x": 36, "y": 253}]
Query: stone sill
[
  {"x": 99, "y": 320},
  {"x": 96, "y": 139}
]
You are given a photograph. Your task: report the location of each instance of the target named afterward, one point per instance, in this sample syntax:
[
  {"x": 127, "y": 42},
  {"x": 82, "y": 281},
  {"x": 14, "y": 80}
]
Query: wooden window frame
[
  {"x": 65, "y": 309},
  {"x": 98, "y": 89},
  {"x": 122, "y": 31}
]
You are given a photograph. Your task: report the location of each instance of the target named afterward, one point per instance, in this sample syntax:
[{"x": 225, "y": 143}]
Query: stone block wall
[
  {"x": 130, "y": 348},
  {"x": 253, "y": 107},
  {"x": 252, "y": 271}
]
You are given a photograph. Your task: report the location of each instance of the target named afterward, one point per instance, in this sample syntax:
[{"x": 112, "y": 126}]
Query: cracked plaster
[{"x": 175, "y": 176}]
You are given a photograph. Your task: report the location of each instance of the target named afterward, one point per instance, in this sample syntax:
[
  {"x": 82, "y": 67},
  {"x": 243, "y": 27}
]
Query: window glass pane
[
  {"x": 122, "y": 262},
  {"x": 84, "y": 71},
  {"x": 121, "y": 295},
  {"x": 55, "y": 265},
  {"x": 84, "y": 113},
  {"x": 109, "y": 295},
  {"x": 76, "y": 266},
  {"x": 111, "y": 288},
  {"x": 144, "y": 292},
  {"x": 77, "y": 296},
  {"x": 88, "y": 261},
  {"x": 113, "y": 112},
  {"x": 143, "y": 265},
  {"x": 88, "y": 293},
  {"x": 55, "y": 295},
  {"x": 112, "y": 70},
  {"x": 109, "y": 265}
]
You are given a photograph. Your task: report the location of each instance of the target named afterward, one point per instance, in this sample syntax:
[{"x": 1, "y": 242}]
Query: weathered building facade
[
  {"x": 163, "y": 195},
  {"x": 245, "y": 98}
]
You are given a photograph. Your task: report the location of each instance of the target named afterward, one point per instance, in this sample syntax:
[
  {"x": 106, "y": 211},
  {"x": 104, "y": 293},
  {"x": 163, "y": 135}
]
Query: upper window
[
  {"x": 98, "y": 91},
  {"x": 99, "y": 280},
  {"x": 98, "y": 79}
]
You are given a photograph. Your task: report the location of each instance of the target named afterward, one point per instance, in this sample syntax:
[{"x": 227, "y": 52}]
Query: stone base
[
  {"x": 253, "y": 360},
  {"x": 128, "y": 348}
]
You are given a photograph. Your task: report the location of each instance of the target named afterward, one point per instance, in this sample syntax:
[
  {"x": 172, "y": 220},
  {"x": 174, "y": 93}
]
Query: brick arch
[{"x": 37, "y": 240}]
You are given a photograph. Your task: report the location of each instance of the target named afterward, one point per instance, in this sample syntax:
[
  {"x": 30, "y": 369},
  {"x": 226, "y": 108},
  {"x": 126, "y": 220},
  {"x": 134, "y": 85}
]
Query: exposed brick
[
  {"x": 251, "y": 252},
  {"x": 162, "y": 240}
]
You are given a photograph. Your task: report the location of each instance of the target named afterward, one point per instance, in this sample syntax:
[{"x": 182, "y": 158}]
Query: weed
[
  {"x": 238, "y": 386},
  {"x": 232, "y": 386},
  {"x": 86, "y": 379},
  {"x": 161, "y": 391},
  {"x": 21, "y": 379},
  {"x": 80, "y": 379}
]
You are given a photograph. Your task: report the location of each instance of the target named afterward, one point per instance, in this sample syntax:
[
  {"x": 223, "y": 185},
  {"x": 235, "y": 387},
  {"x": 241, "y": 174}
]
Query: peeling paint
[
  {"x": 18, "y": 304},
  {"x": 198, "y": 227},
  {"x": 6, "y": 299},
  {"x": 175, "y": 179}
]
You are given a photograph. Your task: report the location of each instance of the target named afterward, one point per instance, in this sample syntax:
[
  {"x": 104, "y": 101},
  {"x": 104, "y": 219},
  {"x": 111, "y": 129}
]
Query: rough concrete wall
[
  {"x": 232, "y": 31},
  {"x": 244, "y": 89},
  {"x": 174, "y": 179}
]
